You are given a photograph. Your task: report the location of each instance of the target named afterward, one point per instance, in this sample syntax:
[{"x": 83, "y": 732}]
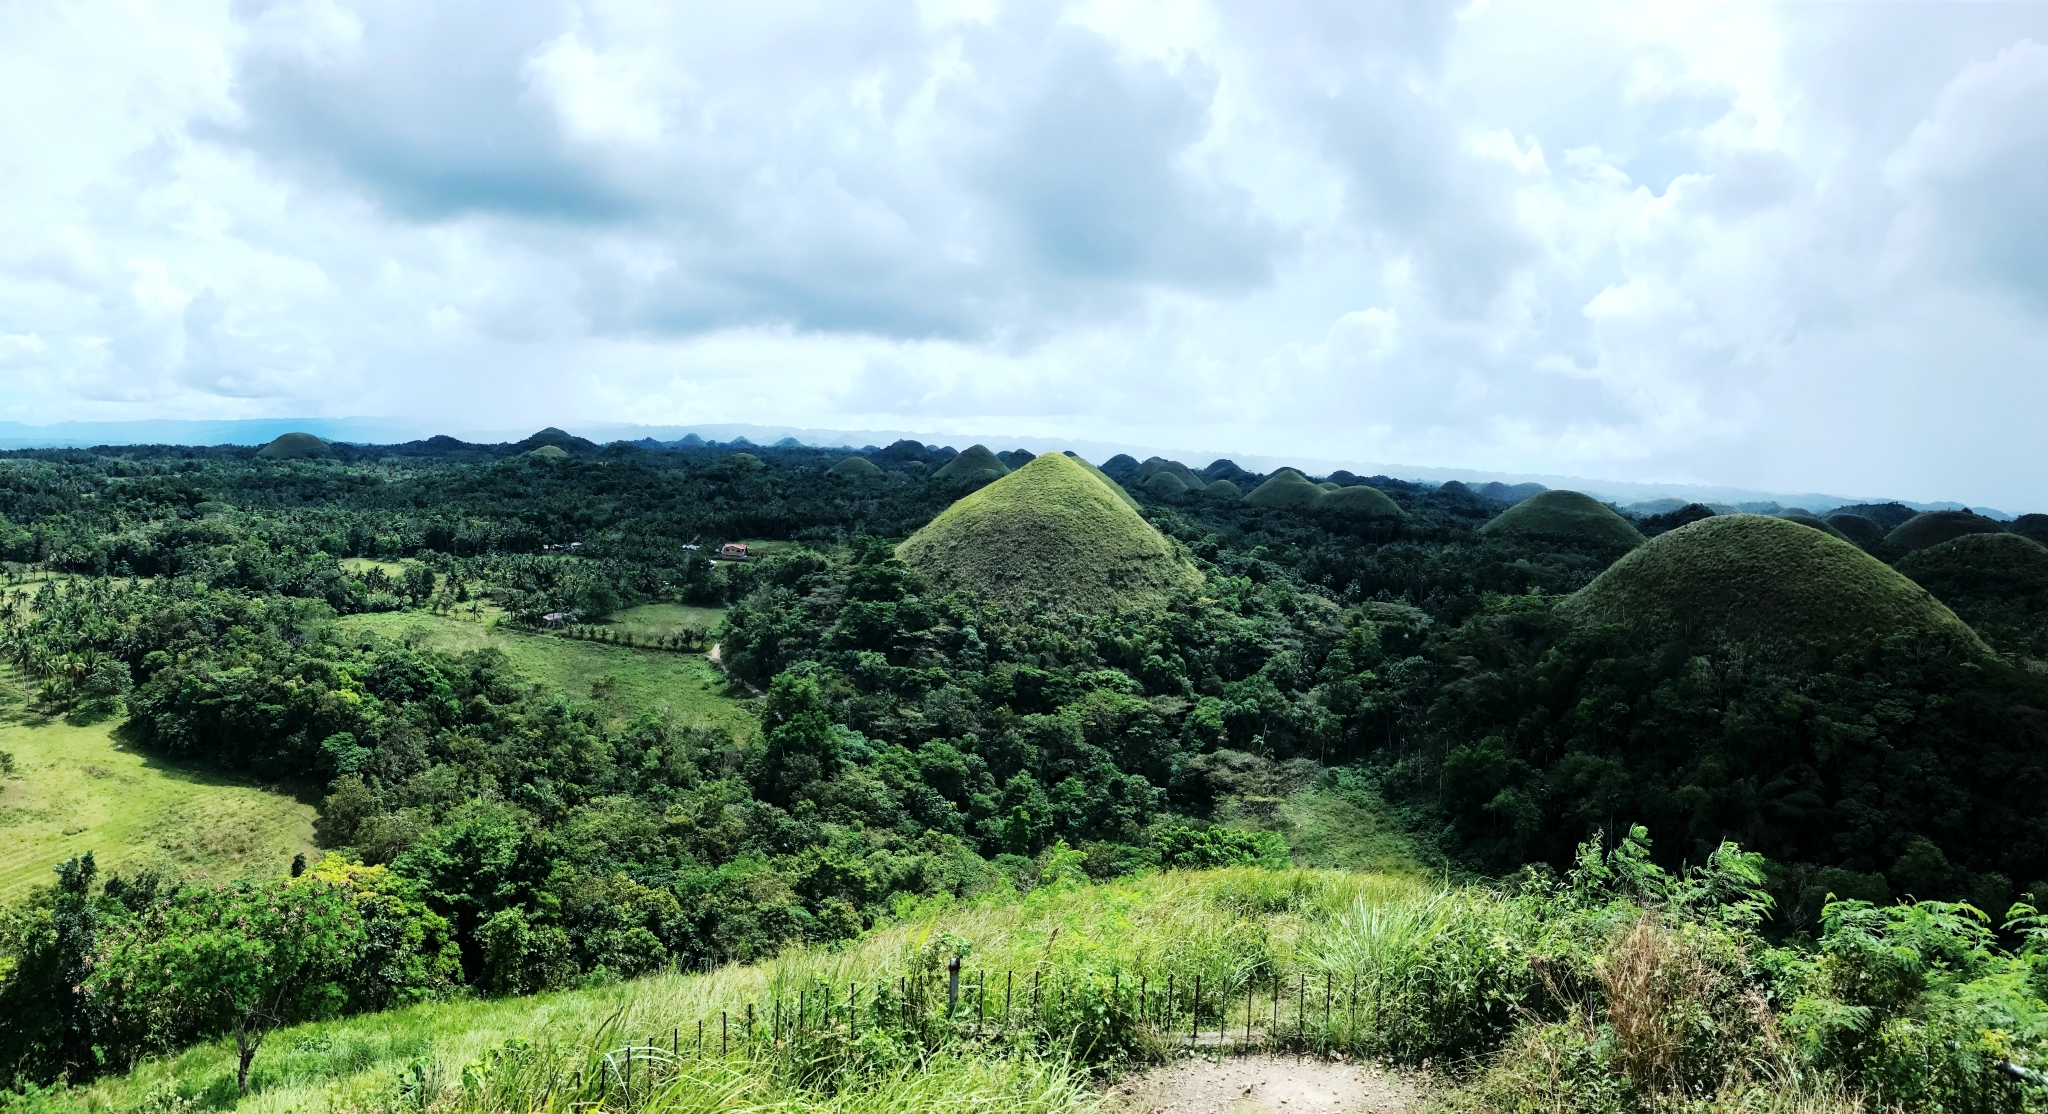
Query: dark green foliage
[
  {"x": 1667, "y": 521},
  {"x": 1888, "y": 516},
  {"x": 2033, "y": 526},
  {"x": 1935, "y": 527}
]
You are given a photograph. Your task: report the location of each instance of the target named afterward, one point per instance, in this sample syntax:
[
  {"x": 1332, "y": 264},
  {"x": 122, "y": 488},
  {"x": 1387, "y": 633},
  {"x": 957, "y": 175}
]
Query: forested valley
[{"x": 1351, "y": 671}]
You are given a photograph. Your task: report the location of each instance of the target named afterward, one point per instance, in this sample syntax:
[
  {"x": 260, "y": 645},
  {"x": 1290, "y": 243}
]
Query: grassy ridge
[{"x": 76, "y": 789}]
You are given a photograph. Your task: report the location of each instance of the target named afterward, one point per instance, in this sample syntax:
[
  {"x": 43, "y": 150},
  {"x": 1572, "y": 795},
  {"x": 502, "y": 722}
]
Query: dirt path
[{"x": 1265, "y": 1085}]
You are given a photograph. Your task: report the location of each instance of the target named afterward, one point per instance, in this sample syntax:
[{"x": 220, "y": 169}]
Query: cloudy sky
[{"x": 1796, "y": 248}]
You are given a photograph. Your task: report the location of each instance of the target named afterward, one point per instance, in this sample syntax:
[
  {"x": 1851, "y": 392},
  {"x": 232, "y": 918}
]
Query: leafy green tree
[{"x": 239, "y": 960}]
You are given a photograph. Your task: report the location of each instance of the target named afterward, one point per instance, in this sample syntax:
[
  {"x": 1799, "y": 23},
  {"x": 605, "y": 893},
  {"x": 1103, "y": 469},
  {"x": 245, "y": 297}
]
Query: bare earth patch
[{"x": 1266, "y": 1085}]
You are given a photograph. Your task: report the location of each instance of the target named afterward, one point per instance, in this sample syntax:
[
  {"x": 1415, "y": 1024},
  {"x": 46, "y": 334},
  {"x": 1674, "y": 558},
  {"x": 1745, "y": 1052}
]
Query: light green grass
[
  {"x": 361, "y": 565},
  {"x": 77, "y": 789},
  {"x": 657, "y": 620},
  {"x": 686, "y": 685}
]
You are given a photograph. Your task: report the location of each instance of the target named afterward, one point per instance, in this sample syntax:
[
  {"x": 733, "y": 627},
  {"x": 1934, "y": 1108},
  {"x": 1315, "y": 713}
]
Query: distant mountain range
[{"x": 389, "y": 431}]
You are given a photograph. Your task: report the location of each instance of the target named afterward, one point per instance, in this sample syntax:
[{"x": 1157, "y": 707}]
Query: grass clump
[
  {"x": 857, "y": 468},
  {"x": 974, "y": 464},
  {"x": 1930, "y": 528},
  {"x": 295, "y": 446},
  {"x": 1049, "y": 533},
  {"x": 1764, "y": 582},
  {"x": 1560, "y": 515},
  {"x": 1287, "y": 489}
]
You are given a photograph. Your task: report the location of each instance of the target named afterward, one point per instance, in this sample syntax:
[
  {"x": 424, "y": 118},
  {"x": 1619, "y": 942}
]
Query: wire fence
[{"x": 1095, "y": 1014}]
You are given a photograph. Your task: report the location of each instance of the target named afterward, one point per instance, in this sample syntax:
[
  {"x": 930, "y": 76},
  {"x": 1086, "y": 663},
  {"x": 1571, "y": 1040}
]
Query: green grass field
[
  {"x": 77, "y": 789},
  {"x": 689, "y": 686},
  {"x": 658, "y": 620}
]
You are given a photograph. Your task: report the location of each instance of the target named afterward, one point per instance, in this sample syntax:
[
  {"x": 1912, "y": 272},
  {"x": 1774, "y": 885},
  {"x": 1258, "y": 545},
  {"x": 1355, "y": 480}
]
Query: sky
[{"x": 1795, "y": 247}]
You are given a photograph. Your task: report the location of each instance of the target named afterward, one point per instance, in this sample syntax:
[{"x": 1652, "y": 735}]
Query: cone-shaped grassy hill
[
  {"x": 856, "y": 468},
  {"x": 1050, "y": 532},
  {"x": 2033, "y": 526},
  {"x": 1565, "y": 516},
  {"x": 295, "y": 446},
  {"x": 1164, "y": 482},
  {"x": 548, "y": 452},
  {"x": 1287, "y": 488},
  {"x": 1224, "y": 489},
  {"x": 1155, "y": 465},
  {"x": 971, "y": 464},
  {"x": 1360, "y": 501},
  {"x": 1858, "y": 529},
  {"x": 1935, "y": 527},
  {"x": 1763, "y": 582}
]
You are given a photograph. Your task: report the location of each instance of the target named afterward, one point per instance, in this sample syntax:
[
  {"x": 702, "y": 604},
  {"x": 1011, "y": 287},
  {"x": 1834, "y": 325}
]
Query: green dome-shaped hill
[
  {"x": 1761, "y": 582},
  {"x": 548, "y": 452},
  {"x": 1935, "y": 527},
  {"x": 2033, "y": 526},
  {"x": 1053, "y": 533},
  {"x": 1998, "y": 583},
  {"x": 1360, "y": 501},
  {"x": 1164, "y": 482},
  {"x": 1287, "y": 488},
  {"x": 1224, "y": 489},
  {"x": 1560, "y": 515},
  {"x": 1858, "y": 529},
  {"x": 971, "y": 464},
  {"x": 295, "y": 446},
  {"x": 856, "y": 468}
]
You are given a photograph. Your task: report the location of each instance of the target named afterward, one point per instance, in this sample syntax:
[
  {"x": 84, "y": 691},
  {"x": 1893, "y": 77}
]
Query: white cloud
[{"x": 1788, "y": 247}]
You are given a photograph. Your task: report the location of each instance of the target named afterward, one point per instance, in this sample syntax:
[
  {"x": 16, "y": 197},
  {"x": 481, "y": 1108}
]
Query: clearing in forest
[
  {"x": 1266, "y": 1084},
  {"x": 630, "y": 680},
  {"x": 79, "y": 789}
]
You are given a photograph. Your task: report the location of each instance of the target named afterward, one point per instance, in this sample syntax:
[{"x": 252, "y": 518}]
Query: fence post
[
  {"x": 1169, "y": 1003},
  {"x": 852, "y": 1019},
  {"x": 952, "y": 986},
  {"x": 1195, "y": 1014},
  {"x": 724, "y": 1034}
]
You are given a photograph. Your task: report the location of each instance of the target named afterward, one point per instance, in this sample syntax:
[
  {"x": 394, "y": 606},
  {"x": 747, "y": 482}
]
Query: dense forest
[{"x": 1420, "y": 645}]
